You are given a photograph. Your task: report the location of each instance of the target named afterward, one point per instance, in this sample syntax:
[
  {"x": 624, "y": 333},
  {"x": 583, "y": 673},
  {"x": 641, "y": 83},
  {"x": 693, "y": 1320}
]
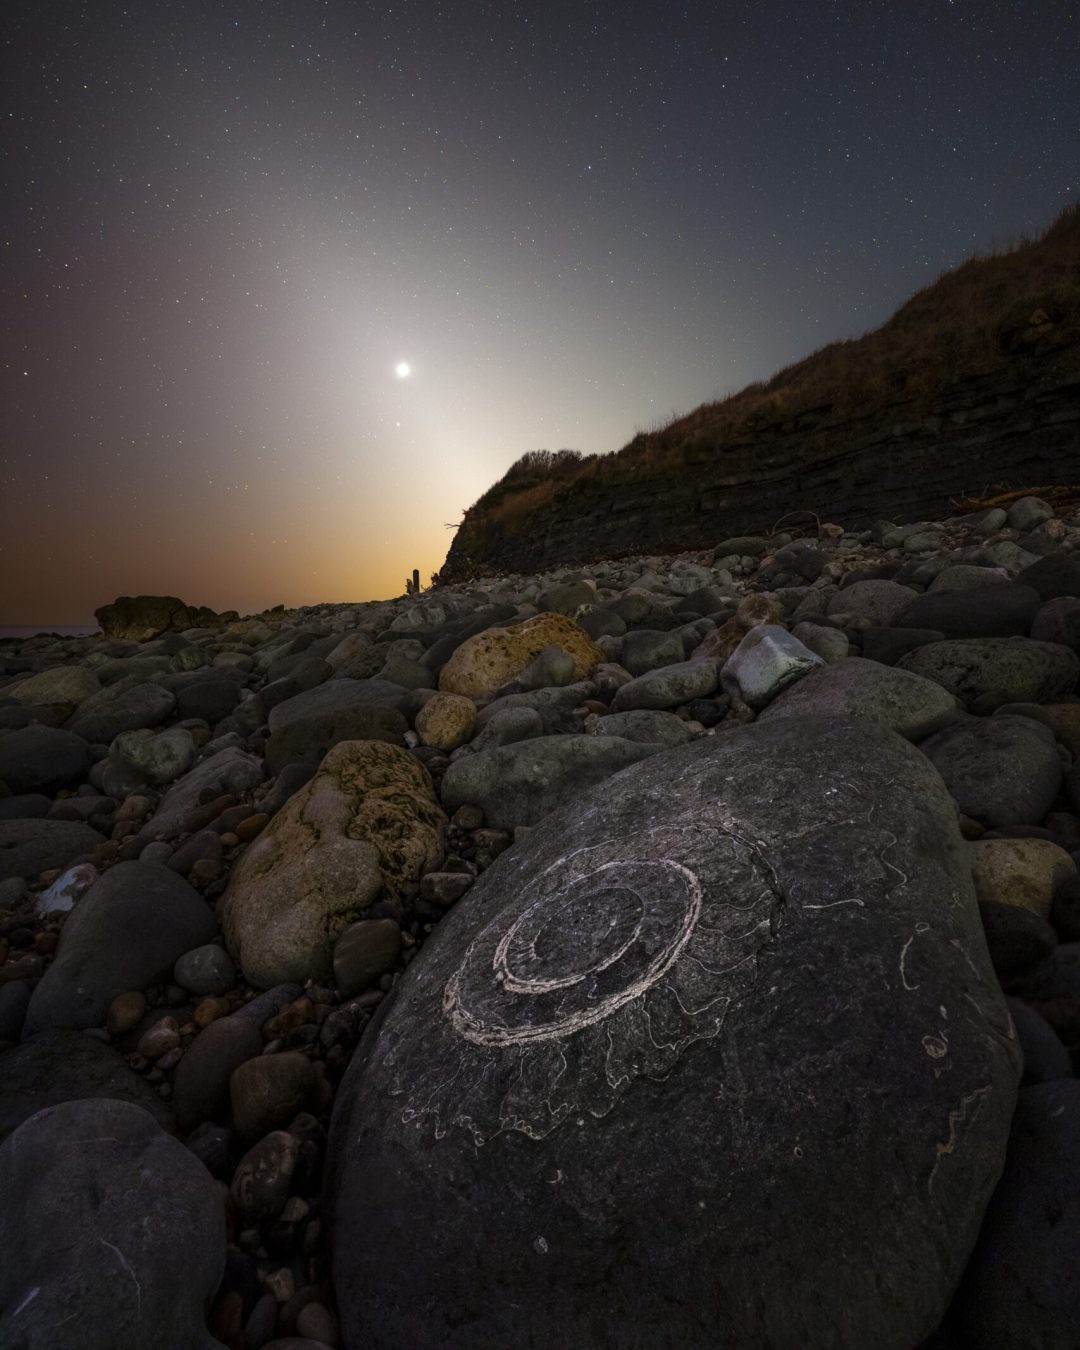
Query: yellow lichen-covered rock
[
  {"x": 1023, "y": 872},
  {"x": 366, "y": 822},
  {"x": 489, "y": 659},
  {"x": 752, "y": 610},
  {"x": 446, "y": 721}
]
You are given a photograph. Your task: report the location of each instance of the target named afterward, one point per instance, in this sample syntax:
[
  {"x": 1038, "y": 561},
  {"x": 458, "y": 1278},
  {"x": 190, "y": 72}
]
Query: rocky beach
[{"x": 678, "y": 951}]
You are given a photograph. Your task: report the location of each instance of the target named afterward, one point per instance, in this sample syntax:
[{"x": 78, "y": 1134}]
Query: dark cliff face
[{"x": 1015, "y": 427}]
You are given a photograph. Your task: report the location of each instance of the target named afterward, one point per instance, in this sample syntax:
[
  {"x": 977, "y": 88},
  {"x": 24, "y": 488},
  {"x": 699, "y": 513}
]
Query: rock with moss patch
[
  {"x": 368, "y": 820},
  {"x": 488, "y": 660}
]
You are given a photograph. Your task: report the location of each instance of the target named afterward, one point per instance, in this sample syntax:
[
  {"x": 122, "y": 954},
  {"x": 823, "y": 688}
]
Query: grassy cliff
[{"x": 1005, "y": 320}]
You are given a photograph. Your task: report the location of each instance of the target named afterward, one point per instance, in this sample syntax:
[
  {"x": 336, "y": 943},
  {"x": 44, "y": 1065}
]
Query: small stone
[
  {"x": 252, "y": 826},
  {"x": 204, "y": 872},
  {"x": 298, "y": 1013},
  {"x": 205, "y": 970},
  {"x": 281, "y": 1284},
  {"x": 444, "y": 888},
  {"x": 208, "y": 1010},
  {"x": 268, "y": 1091},
  {"x": 260, "y": 1185},
  {"x": 446, "y": 721},
  {"x": 125, "y": 1013},
  {"x": 318, "y": 1324},
  {"x": 467, "y": 817},
  {"x": 66, "y": 889},
  {"x": 366, "y": 951},
  {"x": 159, "y": 1039},
  {"x": 295, "y": 1211}
]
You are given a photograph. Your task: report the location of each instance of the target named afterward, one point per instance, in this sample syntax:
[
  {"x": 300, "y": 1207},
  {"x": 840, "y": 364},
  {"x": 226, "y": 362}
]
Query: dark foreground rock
[
  {"x": 112, "y": 1234},
  {"x": 652, "y": 1040},
  {"x": 1022, "y": 1289},
  {"x": 127, "y": 932},
  {"x": 65, "y": 1066}
]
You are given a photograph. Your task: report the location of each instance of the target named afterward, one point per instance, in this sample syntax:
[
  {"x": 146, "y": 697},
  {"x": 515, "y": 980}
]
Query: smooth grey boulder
[
  {"x": 644, "y": 649},
  {"x": 229, "y": 771},
  {"x": 566, "y": 598},
  {"x": 1027, "y": 512},
  {"x": 520, "y": 784},
  {"x": 28, "y": 847},
  {"x": 669, "y": 686},
  {"x": 1001, "y": 770},
  {"x": 116, "y": 708},
  {"x": 547, "y": 702},
  {"x": 1045, "y": 1057},
  {"x": 1022, "y": 1288},
  {"x": 650, "y": 726},
  {"x": 1054, "y": 576},
  {"x": 113, "y": 1233},
  {"x": 42, "y": 759},
  {"x": 1004, "y": 609},
  {"x": 201, "y": 1083},
  {"x": 1059, "y": 621},
  {"x": 897, "y": 699},
  {"x": 304, "y": 728},
  {"x": 26, "y": 806},
  {"x": 1018, "y": 669},
  {"x": 766, "y": 662},
  {"x": 550, "y": 668},
  {"x": 966, "y": 577},
  {"x": 641, "y": 1054},
  {"x": 875, "y": 601},
  {"x": 125, "y": 933},
  {"x": 64, "y": 1066},
  {"x": 209, "y": 699},
  {"x": 508, "y": 725},
  {"x": 155, "y": 757}
]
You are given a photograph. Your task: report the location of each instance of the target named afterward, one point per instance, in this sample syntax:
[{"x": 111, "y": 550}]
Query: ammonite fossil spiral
[{"x": 605, "y": 968}]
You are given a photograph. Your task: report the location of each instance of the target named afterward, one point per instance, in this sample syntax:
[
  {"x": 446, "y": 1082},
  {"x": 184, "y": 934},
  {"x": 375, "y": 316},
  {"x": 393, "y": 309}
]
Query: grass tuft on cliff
[{"x": 1008, "y": 308}]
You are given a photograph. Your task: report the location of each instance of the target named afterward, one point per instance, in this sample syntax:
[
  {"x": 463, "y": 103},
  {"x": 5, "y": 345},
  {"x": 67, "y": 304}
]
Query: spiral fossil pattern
[{"x": 604, "y": 969}]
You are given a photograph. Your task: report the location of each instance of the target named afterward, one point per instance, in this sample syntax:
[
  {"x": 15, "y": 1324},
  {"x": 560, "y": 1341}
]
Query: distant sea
[{"x": 28, "y": 630}]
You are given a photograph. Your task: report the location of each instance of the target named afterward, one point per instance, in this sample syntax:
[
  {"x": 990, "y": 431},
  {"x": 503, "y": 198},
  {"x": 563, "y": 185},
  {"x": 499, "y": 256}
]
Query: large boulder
[
  {"x": 63, "y": 687},
  {"x": 125, "y": 933},
  {"x": 367, "y": 820},
  {"x": 113, "y": 1233},
  {"x": 1022, "y": 1288},
  {"x": 668, "y": 687},
  {"x": 138, "y": 618},
  {"x": 720, "y": 1040},
  {"x": 42, "y": 759},
  {"x": 1054, "y": 576},
  {"x": 304, "y": 728},
  {"x": 116, "y": 708},
  {"x": 231, "y": 771},
  {"x": 520, "y": 784},
  {"x": 62, "y": 1066},
  {"x": 1018, "y": 670},
  {"x": 28, "y": 847},
  {"x": 488, "y": 660},
  {"x": 897, "y": 699},
  {"x": 1003, "y": 609},
  {"x": 1001, "y": 770}
]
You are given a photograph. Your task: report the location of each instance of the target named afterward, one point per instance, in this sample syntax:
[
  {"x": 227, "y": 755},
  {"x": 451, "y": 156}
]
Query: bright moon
[{"x": 403, "y": 370}]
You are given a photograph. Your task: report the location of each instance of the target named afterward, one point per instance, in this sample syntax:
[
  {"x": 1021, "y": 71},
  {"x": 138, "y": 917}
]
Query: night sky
[{"x": 225, "y": 225}]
